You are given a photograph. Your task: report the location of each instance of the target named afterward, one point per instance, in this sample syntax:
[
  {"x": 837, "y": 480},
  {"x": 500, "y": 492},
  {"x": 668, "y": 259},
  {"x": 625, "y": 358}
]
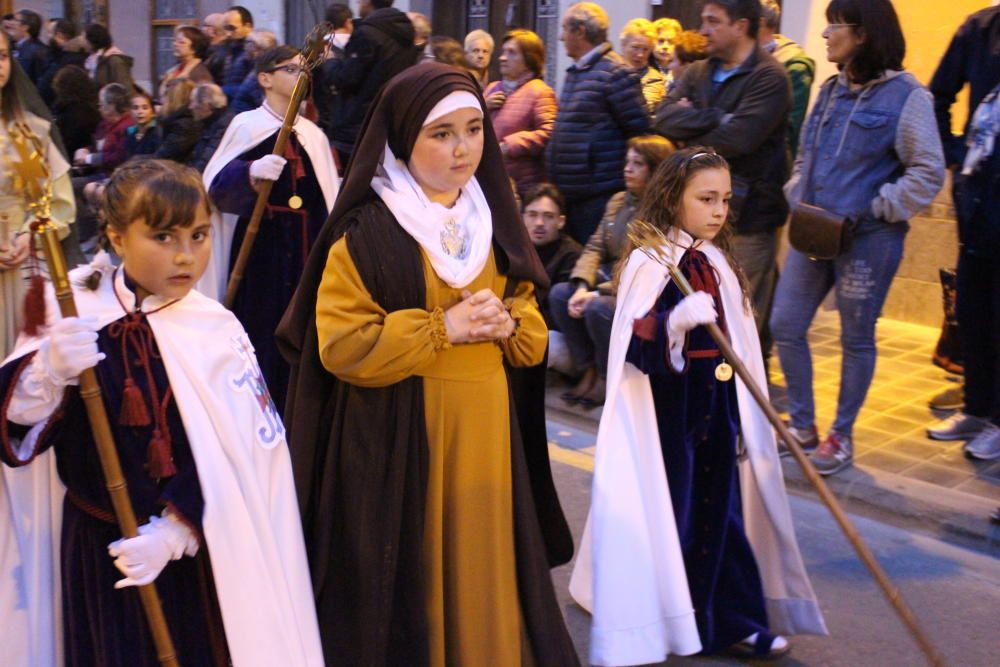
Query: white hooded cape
[
  {"x": 251, "y": 520},
  {"x": 630, "y": 571},
  {"x": 247, "y": 130}
]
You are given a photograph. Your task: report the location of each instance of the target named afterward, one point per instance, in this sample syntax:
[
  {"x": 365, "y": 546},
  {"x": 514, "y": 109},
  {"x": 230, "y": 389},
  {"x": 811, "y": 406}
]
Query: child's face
[
  {"x": 142, "y": 110},
  {"x": 705, "y": 203},
  {"x": 165, "y": 262}
]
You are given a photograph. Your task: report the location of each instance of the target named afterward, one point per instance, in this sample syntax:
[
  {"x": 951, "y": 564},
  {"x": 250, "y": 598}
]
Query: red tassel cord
[
  {"x": 34, "y": 299},
  {"x": 137, "y": 350},
  {"x": 34, "y": 305},
  {"x": 134, "y": 411}
]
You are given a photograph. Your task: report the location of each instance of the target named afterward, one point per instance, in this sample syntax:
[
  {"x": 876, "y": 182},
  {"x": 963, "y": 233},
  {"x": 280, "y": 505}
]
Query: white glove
[
  {"x": 70, "y": 348},
  {"x": 142, "y": 558},
  {"x": 267, "y": 168},
  {"x": 694, "y": 309}
]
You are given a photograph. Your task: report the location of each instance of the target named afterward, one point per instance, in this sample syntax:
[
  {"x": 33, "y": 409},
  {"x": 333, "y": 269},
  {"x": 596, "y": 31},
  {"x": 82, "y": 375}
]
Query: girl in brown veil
[{"x": 422, "y": 534}]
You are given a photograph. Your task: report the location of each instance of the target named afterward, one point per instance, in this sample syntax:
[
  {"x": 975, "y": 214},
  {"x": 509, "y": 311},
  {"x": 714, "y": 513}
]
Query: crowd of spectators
[{"x": 579, "y": 161}]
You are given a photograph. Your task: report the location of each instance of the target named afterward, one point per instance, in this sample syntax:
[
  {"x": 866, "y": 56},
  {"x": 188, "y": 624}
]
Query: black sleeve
[{"x": 949, "y": 79}]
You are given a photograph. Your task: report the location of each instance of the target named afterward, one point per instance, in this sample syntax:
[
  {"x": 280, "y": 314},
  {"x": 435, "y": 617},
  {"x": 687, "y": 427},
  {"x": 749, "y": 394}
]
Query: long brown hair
[
  {"x": 661, "y": 201},
  {"x": 178, "y": 96}
]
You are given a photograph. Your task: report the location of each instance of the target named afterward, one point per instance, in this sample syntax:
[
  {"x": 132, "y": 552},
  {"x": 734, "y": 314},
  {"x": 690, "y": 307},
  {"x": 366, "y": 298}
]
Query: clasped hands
[
  {"x": 478, "y": 318},
  {"x": 14, "y": 253}
]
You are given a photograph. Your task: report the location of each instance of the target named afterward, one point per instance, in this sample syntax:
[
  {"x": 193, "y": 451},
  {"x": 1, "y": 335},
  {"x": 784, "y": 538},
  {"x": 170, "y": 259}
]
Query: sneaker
[
  {"x": 833, "y": 455},
  {"x": 952, "y": 398},
  {"x": 808, "y": 439},
  {"x": 958, "y": 426},
  {"x": 986, "y": 445}
]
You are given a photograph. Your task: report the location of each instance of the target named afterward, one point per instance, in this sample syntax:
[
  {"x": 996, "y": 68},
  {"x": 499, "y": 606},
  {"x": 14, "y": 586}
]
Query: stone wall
[{"x": 915, "y": 295}]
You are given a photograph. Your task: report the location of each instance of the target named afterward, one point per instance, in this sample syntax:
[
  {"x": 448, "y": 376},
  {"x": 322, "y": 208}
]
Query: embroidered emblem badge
[
  {"x": 269, "y": 428},
  {"x": 454, "y": 239}
]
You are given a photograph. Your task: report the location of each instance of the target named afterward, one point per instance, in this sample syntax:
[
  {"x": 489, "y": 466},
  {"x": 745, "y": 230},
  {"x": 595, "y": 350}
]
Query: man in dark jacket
[
  {"x": 65, "y": 48},
  {"x": 32, "y": 55},
  {"x": 800, "y": 67},
  {"x": 213, "y": 25},
  {"x": 380, "y": 47},
  {"x": 974, "y": 158},
  {"x": 340, "y": 17},
  {"x": 238, "y": 63},
  {"x": 737, "y": 102},
  {"x": 208, "y": 106},
  {"x": 600, "y": 108}
]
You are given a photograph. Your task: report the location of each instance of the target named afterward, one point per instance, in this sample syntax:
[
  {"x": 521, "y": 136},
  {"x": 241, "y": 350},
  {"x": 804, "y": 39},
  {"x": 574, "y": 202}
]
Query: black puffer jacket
[
  {"x": 179, "y": 132},
  {"x": 600, "y": 108},
  {"x": 380, "y": 47},
  {"x": 211, "y": 136}
]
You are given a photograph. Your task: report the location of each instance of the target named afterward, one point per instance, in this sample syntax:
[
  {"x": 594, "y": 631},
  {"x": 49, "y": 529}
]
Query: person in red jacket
[{"x": 522, "y": 108}]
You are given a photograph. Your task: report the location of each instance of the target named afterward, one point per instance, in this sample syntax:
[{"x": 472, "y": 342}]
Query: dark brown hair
[
  {"x": 163, "y": 193},
  {"x": 661, "y": 200},
  {"x": 532, "y": 49},
  {"x": 884, "y": 46},
  {"x": 653, "y": 149},
  {"x": 199, "y": 40},
  {"x": 545, "y": 190}
]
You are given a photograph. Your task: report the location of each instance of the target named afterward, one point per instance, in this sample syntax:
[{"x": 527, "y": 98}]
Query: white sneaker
[
  {"x": 986, "y": 445},
  {"x": 958, "y": 426}
]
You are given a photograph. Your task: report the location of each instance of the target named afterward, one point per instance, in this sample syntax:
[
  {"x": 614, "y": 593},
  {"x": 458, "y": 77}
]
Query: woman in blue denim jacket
[{"x": 869, "y": 151}]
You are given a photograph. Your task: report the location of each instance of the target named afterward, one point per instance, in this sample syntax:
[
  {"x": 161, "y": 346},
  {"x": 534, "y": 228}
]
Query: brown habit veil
[{"x": 360, "y": 454}]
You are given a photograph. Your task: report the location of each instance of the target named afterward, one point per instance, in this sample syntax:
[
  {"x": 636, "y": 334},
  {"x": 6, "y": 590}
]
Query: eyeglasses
[
  {"x": 289, "y": 69},
  {"x": 837, "y": 26},
  {"x": 229, "y": 27}
]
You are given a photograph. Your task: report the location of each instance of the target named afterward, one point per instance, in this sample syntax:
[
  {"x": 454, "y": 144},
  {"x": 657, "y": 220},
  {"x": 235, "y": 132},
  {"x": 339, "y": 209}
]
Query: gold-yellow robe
[{"x": 474, "y": 615}]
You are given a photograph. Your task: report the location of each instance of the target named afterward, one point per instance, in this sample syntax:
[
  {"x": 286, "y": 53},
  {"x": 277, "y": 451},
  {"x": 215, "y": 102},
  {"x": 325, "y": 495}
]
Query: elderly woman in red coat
[{"x": 522, "y": 108}]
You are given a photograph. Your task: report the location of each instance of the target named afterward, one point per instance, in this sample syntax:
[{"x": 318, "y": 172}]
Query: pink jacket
[{"x": 524, "y": 124}]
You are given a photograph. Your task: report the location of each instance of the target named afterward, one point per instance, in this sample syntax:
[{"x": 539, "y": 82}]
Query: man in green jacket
[{"x": 800, "y": 67}]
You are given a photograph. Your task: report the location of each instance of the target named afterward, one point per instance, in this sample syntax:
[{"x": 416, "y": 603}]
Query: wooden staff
[
  {"x": 311, "y": 55},
  {"x": 651, "y": 240},
  {"x": 90, "y": 391}
]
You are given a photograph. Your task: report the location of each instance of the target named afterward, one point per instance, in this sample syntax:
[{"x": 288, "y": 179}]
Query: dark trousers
[
  {"x": 587, "y": 337},
  {"x": 583, "y": 216},
  {"x": 978, "y": 310}
]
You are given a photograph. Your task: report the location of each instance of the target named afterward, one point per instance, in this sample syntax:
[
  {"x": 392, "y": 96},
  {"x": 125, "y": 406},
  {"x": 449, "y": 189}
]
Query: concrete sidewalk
[{"x": 899, "y": 474}]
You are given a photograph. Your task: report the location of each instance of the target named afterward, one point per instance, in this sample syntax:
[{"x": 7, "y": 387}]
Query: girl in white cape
[
  {"x": 200, "y": 443},
  {"x": 689, "y": 546}
]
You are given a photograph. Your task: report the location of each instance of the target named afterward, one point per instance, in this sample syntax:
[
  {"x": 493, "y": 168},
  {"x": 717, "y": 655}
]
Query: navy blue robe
[
  {"x": 279, "y": 252},
  {"x": 104, "y": 626},
  {"x": 698, "y": 422}
]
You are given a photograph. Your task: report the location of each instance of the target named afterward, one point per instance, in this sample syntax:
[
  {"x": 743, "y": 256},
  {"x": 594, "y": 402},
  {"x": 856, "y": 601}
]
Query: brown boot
[{"x": 583, "y": 385}]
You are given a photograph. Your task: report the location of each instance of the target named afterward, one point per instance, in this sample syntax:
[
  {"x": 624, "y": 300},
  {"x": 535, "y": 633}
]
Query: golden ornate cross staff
[
  {"x": 650, "y": 240},
  {"x": 31, "y": 176},
  {"x": 312, "y": 55}
]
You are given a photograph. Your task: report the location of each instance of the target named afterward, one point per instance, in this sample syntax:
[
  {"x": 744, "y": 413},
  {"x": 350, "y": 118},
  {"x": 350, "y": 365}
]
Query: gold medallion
[
  {"x": 295, "y": 202},
  {"x": 723, "y": 372}
]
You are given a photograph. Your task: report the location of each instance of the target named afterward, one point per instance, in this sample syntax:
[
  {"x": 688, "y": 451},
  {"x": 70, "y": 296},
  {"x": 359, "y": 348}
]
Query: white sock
[{"x": 778, "y": 644}]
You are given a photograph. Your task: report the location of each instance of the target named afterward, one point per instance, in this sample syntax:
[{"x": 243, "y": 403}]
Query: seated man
[{"x": 544, "y": 213}]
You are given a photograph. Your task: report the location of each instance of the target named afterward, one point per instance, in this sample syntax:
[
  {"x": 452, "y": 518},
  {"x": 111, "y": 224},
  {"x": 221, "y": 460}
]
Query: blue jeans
[
  {"x": 589, "y": 337},
  {"x": 861, "y": 278}
]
